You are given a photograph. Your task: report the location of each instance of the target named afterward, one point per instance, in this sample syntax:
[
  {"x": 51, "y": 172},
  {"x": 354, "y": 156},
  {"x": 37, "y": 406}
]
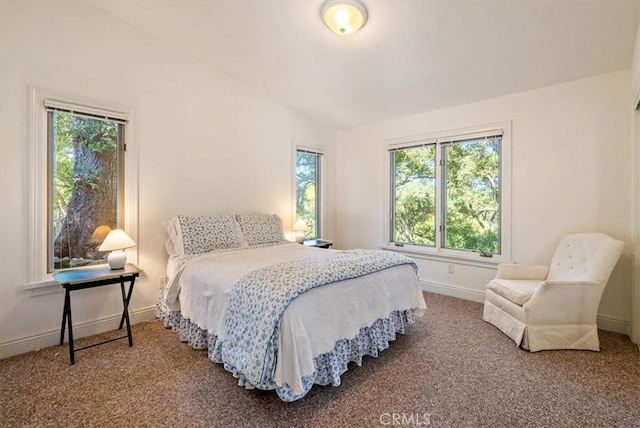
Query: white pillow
[{"x": 174, "y": 244}]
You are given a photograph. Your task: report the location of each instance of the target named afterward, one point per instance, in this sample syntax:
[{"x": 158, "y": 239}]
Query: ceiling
[{"x": 410, "y": 57}]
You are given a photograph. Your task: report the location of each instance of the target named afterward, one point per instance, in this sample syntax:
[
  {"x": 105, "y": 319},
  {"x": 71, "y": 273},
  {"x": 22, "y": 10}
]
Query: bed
[{"x": 279, "y": 315}]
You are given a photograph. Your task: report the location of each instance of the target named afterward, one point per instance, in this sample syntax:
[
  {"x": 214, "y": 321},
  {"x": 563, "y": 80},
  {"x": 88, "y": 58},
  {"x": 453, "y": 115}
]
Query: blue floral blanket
[{"x": 258, "y": 300}]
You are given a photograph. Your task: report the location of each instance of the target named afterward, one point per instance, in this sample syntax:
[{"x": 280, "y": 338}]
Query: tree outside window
[
  {"x": 308, "y": 191},
  {"x": 85, "y": 186},
  {"x": 467, "y": 213},
  {"x": 472, "y": 195},
  {"x": 414, "y": 195}
]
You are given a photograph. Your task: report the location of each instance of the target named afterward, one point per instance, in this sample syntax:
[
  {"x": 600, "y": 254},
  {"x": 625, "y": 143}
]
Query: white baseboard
[
  {"x": 453, "y": 291},
  {"x": 51, "y": 338},
  {"x": 604, "y": 322},
  {"x": 613, "y": 324}
]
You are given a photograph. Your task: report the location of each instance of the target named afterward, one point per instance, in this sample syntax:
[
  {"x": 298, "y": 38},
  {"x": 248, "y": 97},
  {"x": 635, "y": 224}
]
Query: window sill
[
  {"x": 473, "y": 259},
  {"x": 40, "y": 288}
]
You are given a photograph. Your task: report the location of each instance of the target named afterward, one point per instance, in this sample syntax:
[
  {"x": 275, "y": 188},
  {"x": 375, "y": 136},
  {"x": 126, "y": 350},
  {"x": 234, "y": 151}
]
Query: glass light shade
[{"x": 344, "y": 16}]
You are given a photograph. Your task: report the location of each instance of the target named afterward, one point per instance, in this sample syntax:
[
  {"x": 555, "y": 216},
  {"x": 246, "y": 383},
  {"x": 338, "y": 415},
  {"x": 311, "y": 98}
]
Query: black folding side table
[
  {"x": 318, "y": 243},
  {"x": 90, "y": 277}
]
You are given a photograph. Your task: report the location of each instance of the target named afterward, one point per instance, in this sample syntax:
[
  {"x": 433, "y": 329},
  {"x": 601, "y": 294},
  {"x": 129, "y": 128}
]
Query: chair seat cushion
[{"x": 516, "y": 291}]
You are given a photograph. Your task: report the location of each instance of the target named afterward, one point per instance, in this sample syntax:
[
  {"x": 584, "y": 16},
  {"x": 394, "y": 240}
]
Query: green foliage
[
  {"x": 83, "y": 152},
  {"x": 307, "y": 169},
  {"x": 414, "y": 201},
  {"x": 99, "y": 136},
  {"x": 471, "y": 195},
  {"x": 64, "y": 162}
]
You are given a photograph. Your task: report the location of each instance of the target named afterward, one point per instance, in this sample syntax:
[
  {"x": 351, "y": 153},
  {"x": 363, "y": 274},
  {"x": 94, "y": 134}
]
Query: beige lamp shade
[
  {"x": 116, "y": 241},
  {"x": 344, "y": 16},
  {"x": 300, "y": 226}
]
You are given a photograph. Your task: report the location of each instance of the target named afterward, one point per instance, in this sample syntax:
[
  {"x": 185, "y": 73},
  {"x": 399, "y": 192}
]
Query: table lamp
[
  {"x": 116, "y": 241},
  {"x": 300, "y": 227}
]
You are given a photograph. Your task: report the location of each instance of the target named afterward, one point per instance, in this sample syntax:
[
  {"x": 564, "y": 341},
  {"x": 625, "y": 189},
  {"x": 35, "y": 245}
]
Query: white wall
[
  {"x": 635, "y": 293},
  {"x": 571, "y": 172},
  {"x": 206, "y": 143},
  {"x": 635, "y": 284}
]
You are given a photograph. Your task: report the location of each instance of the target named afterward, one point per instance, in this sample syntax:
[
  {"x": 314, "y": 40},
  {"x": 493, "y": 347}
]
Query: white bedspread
[{"x": 314, "y": 321}]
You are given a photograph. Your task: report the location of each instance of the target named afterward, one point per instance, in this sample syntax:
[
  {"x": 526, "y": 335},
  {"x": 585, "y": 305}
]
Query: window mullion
[{"x": 440, "y": 227}]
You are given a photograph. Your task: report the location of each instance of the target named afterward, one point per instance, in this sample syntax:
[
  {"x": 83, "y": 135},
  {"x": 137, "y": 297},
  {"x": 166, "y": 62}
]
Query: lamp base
[
  {"x": 299, "y": 237},
  {"x": 117, "y": 259}
]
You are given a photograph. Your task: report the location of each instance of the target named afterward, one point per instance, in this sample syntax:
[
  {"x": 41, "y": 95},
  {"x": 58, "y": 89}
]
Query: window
[
  {"x": 308, "y": 190},
  {"x": 450, "y": 194},
  {"x": 414, "y": 195},
  {"x": 83, "y": 181},
  {"x": 84, "y": 185}
]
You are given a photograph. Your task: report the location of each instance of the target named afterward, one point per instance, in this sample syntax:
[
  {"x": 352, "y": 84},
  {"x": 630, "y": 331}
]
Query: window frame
[
  {"x": 120, "y": 160},
  {"x": 39, "y": 160},
  {"x": 439, "y": 252},
  {"x": 320, "y": 184},
  {"x": 392, "y": 190}
]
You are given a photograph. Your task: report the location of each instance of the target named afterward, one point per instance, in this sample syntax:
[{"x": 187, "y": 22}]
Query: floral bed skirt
[{"x": 328, "y": 367}]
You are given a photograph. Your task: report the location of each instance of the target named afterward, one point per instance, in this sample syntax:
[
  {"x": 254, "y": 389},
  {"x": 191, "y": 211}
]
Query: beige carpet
[{"x": 450, "y": 370}]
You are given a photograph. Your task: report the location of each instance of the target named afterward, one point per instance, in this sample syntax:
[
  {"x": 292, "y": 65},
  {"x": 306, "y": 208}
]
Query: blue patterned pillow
[
  {"x": 259, "y": 228},
  {"x": 201, "y": 234}
]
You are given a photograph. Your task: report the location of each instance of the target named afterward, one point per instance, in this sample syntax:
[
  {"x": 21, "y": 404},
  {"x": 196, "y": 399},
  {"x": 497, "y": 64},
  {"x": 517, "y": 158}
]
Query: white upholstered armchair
[{"x": 554, "y": 307}]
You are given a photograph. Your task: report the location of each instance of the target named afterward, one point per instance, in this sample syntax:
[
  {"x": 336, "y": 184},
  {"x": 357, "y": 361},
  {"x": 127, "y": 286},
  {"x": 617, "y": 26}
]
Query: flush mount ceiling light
[{"x": 344, "y": 16}]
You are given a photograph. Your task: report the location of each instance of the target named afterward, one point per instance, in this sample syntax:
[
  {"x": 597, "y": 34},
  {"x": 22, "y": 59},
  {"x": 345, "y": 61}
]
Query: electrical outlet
[
  {"x": 162, "y": 282},
  {"x": 449, "y": 268}
]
